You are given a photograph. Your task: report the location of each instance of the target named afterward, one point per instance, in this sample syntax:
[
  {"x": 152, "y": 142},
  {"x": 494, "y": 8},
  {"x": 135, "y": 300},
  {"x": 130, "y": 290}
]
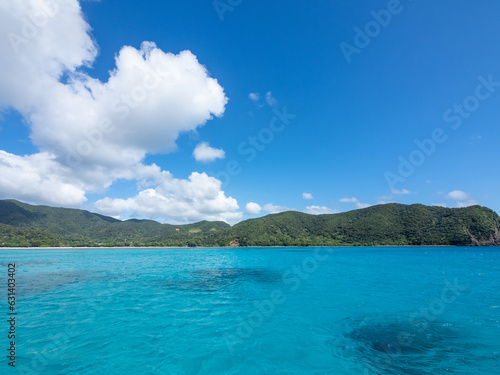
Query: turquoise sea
[{"x": 383, "y": 310}]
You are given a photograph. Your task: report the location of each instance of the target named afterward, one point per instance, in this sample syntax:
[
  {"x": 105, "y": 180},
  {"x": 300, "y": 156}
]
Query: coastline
[{"x": 226, "y": 247}]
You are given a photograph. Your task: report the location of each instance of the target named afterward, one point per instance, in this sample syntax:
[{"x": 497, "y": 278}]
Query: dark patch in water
[
  {"x": 403, "y": 338},
  {"x": 213, "y": 279},
  {"x": 251, "y": 274},
  {"x": 403, "y": 347},
  {"x": 42, "y": 282}
]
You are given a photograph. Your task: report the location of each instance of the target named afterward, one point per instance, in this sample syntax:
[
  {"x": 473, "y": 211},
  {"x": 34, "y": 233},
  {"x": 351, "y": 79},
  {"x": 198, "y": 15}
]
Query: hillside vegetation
[
  {"x": 70, "y": 227},
  {"x": 389, "y": 224},
  {"x": 25, "y": 225}
]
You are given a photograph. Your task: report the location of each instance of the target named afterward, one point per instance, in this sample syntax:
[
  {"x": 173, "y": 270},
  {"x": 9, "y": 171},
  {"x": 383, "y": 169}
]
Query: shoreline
[{"x": 225, "y": 247}]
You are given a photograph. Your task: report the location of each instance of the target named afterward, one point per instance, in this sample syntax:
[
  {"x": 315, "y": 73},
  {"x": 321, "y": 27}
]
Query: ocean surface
[{"x": 345, "y": 311}]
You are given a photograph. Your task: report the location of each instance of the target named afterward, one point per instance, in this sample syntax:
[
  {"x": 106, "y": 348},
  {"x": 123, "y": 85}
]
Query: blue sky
[{"x": 415, "y": 72}]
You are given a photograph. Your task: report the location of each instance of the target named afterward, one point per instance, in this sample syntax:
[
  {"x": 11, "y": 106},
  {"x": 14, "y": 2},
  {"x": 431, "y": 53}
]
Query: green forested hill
[
  {"x": 82, "y": 228},
  {"x": 391, "y": 224}
]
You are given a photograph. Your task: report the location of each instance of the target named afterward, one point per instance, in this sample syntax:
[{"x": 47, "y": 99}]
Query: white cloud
[
  {"x": 204, "y": 153},
  {"x": 458, "y": 195},
  {"x": 253, "y": 208},
  {"x": 463, "y": 199},
  {"x": 439, "y": 204},
  {"x": 150, "y": 98},
  {"x": 400, "y": 192},
  {"x": 36, "y": 55},
  {"x": 270, "y": 100},
  {"x": 385, "y": 202},
  {"x": 467, "y": 203},
  {"x": 198, "y": 198},
  {"x": 348, "y": 200},
  {"x": 307, "y": 196},
  {"x": 39, "y": 179},
  {"x": 356, "y": 201},
  {"x": 274, "y": 209},
  {"x": 91, "y": 133},
  {"x": 319, "y": 210},
  {"x": 254, "y": 96},
  {"x": 360, "y": 205}
]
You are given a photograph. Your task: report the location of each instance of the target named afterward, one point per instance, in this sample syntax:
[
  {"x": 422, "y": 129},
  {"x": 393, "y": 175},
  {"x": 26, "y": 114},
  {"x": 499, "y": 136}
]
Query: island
[{"x": 24, "y": 225}]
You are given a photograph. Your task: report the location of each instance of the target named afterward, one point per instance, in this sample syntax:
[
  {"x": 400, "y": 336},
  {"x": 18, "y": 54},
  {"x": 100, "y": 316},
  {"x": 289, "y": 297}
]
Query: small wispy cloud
[
  {"x": 362, "y": 205},
  {"x": 274, "y": 209},
  {"x": 349, "y": 200},
  {"x": 307, "y": 196},
  {"x": 401, "y": 192},
  {"x": 470, "y": 202},
  {"x": 385, "y": 202},
  {"x": 254, "y": 96},
  {"x": 439, "y": 204},
  {"x": 206, "y": 154},
  {"x": 268, "y": 99},
  {"x": 319, "y": 210},
  {"x": 356, "y": 201},
  {"x": 462, "y": 198},
  {"x": 458, "y": 195},
  {"x": 271, "y": 100}
]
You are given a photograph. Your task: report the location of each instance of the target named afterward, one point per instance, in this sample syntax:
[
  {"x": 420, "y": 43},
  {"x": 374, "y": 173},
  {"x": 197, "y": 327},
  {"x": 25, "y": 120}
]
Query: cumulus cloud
[
  {"x": 458, "y": 195},
  {"x": 206, "y": 154},
  {"x": 38, "y": 46},
  {"x": 307, "y": 196},
  {"x": 253, "y": 208},
  {"x": 176, "y": 200},
  {"x": 90, "y": 132},
  {"x": 39, "y": 179},
  {"x": 319, "y": 210},
  {"x": 150, "y": 98}
]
